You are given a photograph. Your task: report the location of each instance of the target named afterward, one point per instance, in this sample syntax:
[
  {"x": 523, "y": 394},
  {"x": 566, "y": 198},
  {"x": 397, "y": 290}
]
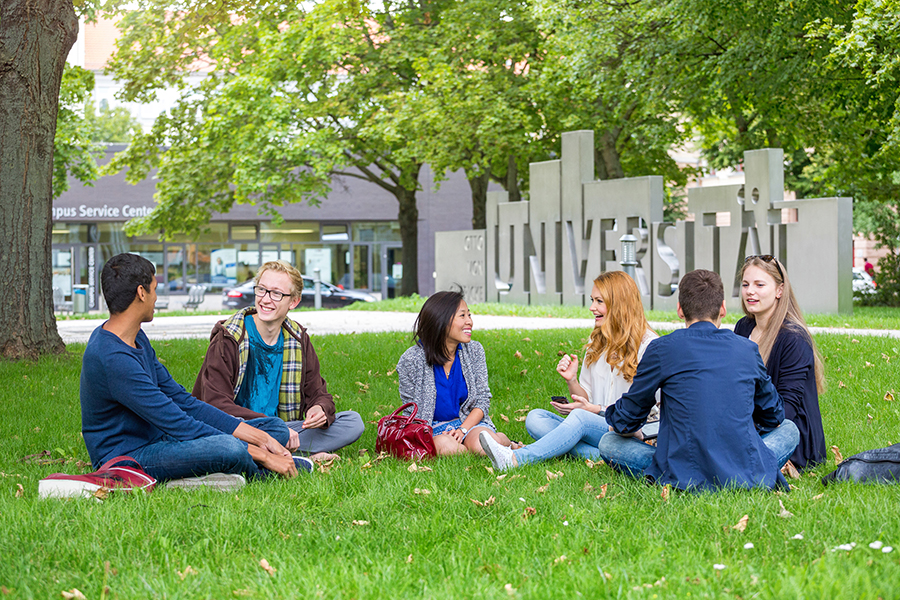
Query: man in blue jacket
[
  {"x": 131, "y": 406},
  {"x": 721, "y": 421}
]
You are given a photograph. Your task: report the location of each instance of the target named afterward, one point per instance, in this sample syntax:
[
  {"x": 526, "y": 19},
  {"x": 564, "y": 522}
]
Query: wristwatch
[{"x": 464, "y": 430}]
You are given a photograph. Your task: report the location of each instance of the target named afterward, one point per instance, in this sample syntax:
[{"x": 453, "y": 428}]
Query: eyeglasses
[
  {"x": 261, "y": 292},
  {"x": 766, "y": 258}
]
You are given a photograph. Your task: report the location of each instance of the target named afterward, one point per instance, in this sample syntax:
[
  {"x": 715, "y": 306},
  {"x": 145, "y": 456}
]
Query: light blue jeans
[
  {"x": 173, "y": 459},
  {"x": 632, "y": 457},
  {"x": 578, "y": 435}
]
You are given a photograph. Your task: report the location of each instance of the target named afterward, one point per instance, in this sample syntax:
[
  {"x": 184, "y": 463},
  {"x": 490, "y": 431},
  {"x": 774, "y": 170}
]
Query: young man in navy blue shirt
[
  {"x": 721, "y": 421},
  {"x": 130, "y": 405}
]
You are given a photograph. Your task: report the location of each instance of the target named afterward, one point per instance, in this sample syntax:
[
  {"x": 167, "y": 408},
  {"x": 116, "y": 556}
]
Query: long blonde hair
[
  {"x": 622, "y": 330},
  {"x": 785, "y": 314}
]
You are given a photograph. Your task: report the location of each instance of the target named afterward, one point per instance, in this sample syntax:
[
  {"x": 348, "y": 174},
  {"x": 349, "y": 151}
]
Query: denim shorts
[{"x": 439, "y": 427}]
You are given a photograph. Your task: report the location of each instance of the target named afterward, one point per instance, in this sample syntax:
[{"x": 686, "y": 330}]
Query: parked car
[
  {"x": 242, "y": 296},
  {"x": 862, "y": 281}
]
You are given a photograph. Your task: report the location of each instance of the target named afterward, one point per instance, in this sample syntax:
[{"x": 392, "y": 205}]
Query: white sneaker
[
  {"x": 501, "y": 456},
  {"x": 222, "y": 482}
]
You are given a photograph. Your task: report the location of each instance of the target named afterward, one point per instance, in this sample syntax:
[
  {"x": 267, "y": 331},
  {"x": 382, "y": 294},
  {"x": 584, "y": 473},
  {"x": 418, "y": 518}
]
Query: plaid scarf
[{"x": 289, "y": 396}]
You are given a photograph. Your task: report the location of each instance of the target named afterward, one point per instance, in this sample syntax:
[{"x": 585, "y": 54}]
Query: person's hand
[
  {"x": 457, "y": 435},
  {"x": 564, "y": 408},
  {"x": 283, "y": 465},
  {"x": 315, "y": 418},
  {"x": 568, "y": 367},
  {"x": 294, "y": 441},
  {"x": 272, "y": 446}
]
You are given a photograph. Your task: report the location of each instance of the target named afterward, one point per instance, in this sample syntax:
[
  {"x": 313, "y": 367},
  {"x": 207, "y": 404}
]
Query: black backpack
[{"x": 881, "y": 465}]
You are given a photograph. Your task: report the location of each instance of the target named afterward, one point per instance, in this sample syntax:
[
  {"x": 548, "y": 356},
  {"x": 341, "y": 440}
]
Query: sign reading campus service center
[{"x": 549, "y": 249}]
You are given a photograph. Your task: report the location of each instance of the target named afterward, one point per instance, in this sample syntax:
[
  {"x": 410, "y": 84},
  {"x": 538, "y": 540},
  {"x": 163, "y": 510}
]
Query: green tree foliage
[
  {"x": 293, "y": 96},
  {"x": 73, "y": 150},
  {"x": 110, "y": 125}
]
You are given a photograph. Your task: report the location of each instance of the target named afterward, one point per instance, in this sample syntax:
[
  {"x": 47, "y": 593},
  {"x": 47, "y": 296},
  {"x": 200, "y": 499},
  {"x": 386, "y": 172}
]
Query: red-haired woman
[{"x": 620, "y": 336}]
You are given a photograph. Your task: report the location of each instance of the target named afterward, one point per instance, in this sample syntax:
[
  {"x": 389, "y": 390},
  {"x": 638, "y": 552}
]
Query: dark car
[{"x": 242, "y": 296}]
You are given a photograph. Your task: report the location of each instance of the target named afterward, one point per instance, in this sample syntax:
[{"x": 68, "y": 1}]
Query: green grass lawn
[{"x": 631, "y": 543}]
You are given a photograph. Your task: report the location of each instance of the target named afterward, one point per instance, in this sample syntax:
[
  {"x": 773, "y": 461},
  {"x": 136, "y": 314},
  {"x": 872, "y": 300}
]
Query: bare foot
[{"x": 323, "y": 456}]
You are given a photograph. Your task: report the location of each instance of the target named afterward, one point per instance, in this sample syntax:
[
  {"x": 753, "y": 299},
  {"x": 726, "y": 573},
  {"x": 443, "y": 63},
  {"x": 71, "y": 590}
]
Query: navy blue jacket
[
  {"x": 791, "y": 366},
  {"x": 716, "y": 401}
]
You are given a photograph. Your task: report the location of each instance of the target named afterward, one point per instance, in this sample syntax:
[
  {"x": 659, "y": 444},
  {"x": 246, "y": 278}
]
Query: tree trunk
[
  {"x": 512, "y": 180},
  {"x": 610, "y": 162},
  {"x": 479, "y": 186},
  {"x": 408, "y": 215},
  {"x": 35, "y": 38}
]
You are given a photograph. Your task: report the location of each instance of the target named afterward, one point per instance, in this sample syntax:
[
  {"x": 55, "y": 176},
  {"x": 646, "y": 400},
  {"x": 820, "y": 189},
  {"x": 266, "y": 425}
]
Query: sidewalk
[{"x": 324, "y": 322}]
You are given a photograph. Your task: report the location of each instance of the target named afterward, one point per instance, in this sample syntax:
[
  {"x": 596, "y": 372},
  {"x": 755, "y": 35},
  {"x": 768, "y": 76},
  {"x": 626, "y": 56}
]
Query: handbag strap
[
  {"x": 415, "y": 409},
  {"x": 118, "y": 462}
]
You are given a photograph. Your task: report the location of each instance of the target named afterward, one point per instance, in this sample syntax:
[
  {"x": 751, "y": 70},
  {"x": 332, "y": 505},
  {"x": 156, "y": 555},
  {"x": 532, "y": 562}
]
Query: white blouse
[{"x": 603, "y": 384}]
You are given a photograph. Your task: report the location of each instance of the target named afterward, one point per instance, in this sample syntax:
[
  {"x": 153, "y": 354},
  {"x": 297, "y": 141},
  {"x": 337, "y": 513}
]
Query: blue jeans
[
  {"x": 173, "y": 459},
  {"x": 578, "y": 435},
  {"x": 632, "y": 457}
]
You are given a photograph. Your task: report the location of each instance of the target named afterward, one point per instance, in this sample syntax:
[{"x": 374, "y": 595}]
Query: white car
[{"x": 862, "y": 281}]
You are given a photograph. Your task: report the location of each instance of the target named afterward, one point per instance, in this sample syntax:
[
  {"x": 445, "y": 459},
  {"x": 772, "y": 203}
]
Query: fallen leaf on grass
[
  {"x": 522, "y": 410},
  {"x": 538, "y": 352},
  {"x": 552, "y": 475},
  {"x": 360, "y": 523},
  {"x": 790, "y": 471},
  {"x": 20, "y": 491},
  {"x": 665, "y": 492},
  {"x": 841, "y": 384},
  {"x": 522, "y": 418},
  {"x": 188, "y": 570},
  {"x": 242, "y": 592},
  {"x": 742, "y": 524},
  {"x": 587, "y": 487},
  {"x": 543, "y": 488},
  {"x": 518, "y": 354},
  {"x": 560, "y": 559},
  {"x": 420, "y": 468},
  {"x": 523, "y": 372},
  {"x": 409, "y": 559},
  {"x": 525, "y": 339},
  {"x": 504, "y": 417},
  {"x": 818, "y": 496},
  {"x": 501, "y": 477},
  {"x": 593, "y": 464},
  {"x": 785, "y": 513},
  {"x": 73, "y": 593},
  {"x": 489, "y": 470},
  {"x": 487, "y": 502},
  {"x": 325, "y": 467},
  {"x": 391, "y": 372},
  {"x": 529, "y": 512},
  {"x": 510, "y": 589},
  {"x": 838, "y": 459},
  {"x": 101, "y": 494},
  {"x": 267, "y": 567},
  {"x": 855, "y": 341},
  {"x": 602, "y": 493},
  {"x": 889, "y": 397},
  {"x": 422, "y": 491}
]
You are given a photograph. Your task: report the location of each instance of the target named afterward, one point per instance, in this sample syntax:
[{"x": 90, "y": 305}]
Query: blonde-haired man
[{"x": 262, "y": 363}]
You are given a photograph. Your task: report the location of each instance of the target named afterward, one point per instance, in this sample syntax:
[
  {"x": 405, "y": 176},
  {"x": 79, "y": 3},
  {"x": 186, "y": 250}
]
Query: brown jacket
[{"x": 221, "y": 368}]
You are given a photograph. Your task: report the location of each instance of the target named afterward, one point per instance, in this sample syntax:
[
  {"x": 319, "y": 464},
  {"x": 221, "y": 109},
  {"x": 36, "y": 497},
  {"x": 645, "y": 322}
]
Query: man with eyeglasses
[{"x": 262, "y": 363}]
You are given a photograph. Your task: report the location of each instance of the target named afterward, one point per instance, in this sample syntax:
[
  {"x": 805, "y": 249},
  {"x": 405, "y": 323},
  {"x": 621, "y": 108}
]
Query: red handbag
[
  {"x": 111, "y": 476},
  {"x": 405, "y": 437}
]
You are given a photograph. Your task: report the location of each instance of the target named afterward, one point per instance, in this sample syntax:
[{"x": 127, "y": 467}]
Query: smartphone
[
  {"x": 559, "y": 399},
  {"x": 650, "y": 430}
]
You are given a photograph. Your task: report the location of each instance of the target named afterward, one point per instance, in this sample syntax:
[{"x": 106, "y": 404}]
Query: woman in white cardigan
[
  {"x": 617, "y": 343},
  {"x": 445, "y": 375}
]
